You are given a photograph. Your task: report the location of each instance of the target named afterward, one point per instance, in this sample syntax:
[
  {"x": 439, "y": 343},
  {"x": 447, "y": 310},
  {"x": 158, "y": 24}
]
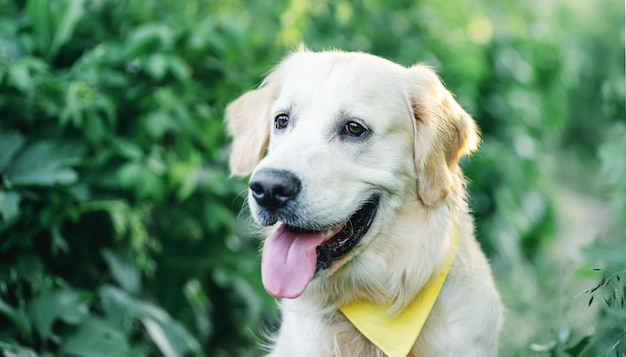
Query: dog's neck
[{"x": 396, "y": 333}]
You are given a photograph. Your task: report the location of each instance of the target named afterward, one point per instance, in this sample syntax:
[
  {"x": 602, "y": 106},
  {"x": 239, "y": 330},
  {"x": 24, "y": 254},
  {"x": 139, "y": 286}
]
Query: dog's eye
[
  {"x": 354, "y": 129},
  {"x": 281, "y": 121}
]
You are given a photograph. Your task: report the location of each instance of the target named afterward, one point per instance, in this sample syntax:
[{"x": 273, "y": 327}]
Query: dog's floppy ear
[
  {"x": 248, "y": 122},
  {"x": 444, "y": 133}
]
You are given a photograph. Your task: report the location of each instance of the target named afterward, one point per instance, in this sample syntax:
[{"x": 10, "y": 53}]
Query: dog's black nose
[{"x": 272, "y": 189}]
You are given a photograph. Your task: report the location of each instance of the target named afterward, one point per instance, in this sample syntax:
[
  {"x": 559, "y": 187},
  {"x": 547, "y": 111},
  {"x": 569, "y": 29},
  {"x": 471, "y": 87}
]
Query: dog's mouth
[
  {"x": 292, "y": 255},
  {"x": 348, "y": 237}
]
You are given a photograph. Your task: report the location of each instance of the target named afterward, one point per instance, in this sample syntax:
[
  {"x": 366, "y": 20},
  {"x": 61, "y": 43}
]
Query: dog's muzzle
[{"x": 299, "y": 248}]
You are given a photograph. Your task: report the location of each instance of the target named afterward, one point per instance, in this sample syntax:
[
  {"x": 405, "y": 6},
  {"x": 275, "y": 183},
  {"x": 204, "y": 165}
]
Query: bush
[{"x": 118, "y": 225}]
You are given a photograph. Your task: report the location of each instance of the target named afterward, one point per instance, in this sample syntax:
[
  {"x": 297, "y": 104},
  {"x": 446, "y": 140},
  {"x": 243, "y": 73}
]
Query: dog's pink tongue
[{"x": 288, "y": 262}]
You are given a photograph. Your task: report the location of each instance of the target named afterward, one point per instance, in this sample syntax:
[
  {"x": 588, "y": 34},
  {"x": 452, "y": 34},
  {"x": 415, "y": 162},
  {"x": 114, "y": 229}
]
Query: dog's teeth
[{"x": 328, "y": 233}]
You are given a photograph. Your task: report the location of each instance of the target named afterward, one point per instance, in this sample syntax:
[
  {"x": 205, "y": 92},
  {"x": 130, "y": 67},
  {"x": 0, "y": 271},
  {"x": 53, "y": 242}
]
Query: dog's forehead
[{"x": 338, "y": 75}]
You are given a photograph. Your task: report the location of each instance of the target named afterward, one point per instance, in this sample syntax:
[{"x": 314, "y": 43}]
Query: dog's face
[{"x": 350, "y": 138}]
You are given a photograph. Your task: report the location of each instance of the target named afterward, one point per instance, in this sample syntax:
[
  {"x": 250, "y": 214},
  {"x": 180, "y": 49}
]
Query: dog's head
[{"x": 350, "y": 137}]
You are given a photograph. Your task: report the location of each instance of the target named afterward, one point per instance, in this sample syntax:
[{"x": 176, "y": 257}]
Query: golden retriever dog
[{"x": 354, "y": 170}]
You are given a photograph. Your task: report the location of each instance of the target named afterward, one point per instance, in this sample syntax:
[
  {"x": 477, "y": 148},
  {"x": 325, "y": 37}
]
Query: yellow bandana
[{"x": 396, "y": 335}]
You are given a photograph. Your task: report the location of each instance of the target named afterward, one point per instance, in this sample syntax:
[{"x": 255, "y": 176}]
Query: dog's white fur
[{"x": 417, "y": 133}]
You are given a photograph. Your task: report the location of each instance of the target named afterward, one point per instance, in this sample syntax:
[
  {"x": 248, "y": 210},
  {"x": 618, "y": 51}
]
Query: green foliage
[
  {"x": 563, "y": 345},
  {"x": 610, "y": 252},
  {"x": 120, "y": 231},
  {"x": 611, "y": 290},
  {"x": 118, "y": 226}
]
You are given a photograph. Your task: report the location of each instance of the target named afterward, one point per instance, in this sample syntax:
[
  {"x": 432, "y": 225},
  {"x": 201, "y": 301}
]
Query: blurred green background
[{"x": 121, "y": 233}]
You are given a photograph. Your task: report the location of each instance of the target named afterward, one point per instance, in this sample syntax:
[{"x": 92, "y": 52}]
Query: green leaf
[
  {"x": 58, "y": 242},
  {"x": 75, "y": 101},
  {"x": 38, "y": 12},
  {"x": 30, "y": 267},
  {"x": 65, "y": 20},
  {"x": 127, "y": 148},
  {"x": 53, "y": 23},
  {"x": 50, "y": 306},
  {"x": 92, "y": 342},
  {"x": 119, "y": 217},
  {"x": 170, "y": 336},
  {"x": 124, "y": 273},
  {"x": 104, "y": 326},
  {"x": 130, "y": 173},
  {"x": 20, "y": 76},
  {"x": 119, "y": 305},
  {"x": 578, "y": 348},
  {"x": 14, "y": 350},
  {"x": 161, "y": 338},
  {"x": 201, "y": 306},
  {"x": 179, "y": 68},
  {"x": 147, "y": 38},
  {"x": 156, "y": 66},
  {"x": 10, "y": 143},
  {"x": 9, "y": 204},
  {"x": 157, "y": 123},
  {"x": 46, "y": 163},
  {"x": 94, "y": 129},
  {"x": 19, "y": 319},
  {"x": 189, "y": 185},
  {"x": 141, "y": 178}
]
